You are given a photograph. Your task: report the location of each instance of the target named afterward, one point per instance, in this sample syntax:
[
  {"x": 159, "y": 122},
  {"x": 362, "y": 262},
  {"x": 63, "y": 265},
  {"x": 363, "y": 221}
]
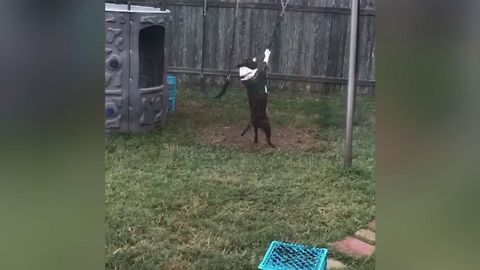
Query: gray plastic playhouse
[{"x": 136, "y": 92}]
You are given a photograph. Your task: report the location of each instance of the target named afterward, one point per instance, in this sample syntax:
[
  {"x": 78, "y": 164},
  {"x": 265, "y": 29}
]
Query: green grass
[{"x": 174, "y": 201}]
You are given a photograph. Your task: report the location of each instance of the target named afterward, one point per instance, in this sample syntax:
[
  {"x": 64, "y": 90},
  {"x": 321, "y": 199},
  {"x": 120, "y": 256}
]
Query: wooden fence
[{"x": 311, "y": 50}]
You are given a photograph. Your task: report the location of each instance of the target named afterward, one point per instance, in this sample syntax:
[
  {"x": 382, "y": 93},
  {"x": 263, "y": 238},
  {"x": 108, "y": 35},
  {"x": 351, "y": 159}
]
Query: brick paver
[
  {"x": 354, "y": 247},
  {"x": 372, "y": 225},
  {"x": 362, "y": 245},
  {"x": 366, "y": 235},
  {"x": 334, "y": 264}
]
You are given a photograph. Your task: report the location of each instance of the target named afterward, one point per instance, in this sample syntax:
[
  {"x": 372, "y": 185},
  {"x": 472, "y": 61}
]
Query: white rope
[
  {"x": 284, "y": 6},
  {"x": 236, "y": 8}
]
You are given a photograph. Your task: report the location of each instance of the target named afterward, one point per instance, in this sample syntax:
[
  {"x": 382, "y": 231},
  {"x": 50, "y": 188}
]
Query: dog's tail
[{"x": 246, "y": 128}]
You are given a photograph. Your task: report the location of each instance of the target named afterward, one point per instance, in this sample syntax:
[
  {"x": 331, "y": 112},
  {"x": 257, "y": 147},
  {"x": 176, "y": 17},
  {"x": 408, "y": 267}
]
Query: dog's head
[
  {"x": 249, "y": 63},
  {"x": 247, "y": 69}
]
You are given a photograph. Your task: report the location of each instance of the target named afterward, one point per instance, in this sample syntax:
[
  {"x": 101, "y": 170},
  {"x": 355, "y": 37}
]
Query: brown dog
[{"x": 254, "y": 77}]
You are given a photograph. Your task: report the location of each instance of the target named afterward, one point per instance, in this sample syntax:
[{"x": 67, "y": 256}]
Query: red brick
[
  {"x": 354, "y": 247},
  {"x": 372, "y": 225}
]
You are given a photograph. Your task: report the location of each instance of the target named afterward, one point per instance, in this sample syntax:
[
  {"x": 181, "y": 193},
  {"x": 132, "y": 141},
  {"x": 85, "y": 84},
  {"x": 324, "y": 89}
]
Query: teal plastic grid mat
[{"x": 285, "y": 256}]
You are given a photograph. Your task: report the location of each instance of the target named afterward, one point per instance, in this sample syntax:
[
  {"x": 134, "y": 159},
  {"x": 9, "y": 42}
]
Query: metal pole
[{"x": 352, "y": 83}]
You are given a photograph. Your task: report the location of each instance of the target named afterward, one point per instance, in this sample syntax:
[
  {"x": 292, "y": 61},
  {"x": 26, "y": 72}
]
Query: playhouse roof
[{"x": 133, "y": 8}]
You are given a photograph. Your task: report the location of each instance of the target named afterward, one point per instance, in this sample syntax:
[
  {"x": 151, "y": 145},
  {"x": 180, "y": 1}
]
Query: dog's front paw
[{"x": 267, "y": 55}]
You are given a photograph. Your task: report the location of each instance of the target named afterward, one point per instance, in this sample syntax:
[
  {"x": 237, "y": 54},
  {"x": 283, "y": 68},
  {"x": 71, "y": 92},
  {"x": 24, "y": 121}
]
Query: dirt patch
[{"x": 284, "y": 138}]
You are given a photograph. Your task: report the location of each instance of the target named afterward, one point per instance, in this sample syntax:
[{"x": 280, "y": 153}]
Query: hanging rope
[
  {"x": 284, "y": 4},
  {"x": 204, "y": 23},
  {"x": 232, "y": 44}
]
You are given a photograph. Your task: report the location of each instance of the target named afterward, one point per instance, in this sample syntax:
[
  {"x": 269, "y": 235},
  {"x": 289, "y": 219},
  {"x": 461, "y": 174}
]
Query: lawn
[{"x": 197, "y": 196}]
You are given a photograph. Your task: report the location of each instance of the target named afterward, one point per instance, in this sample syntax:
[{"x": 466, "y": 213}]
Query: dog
[{"x": 253, "y": 76}]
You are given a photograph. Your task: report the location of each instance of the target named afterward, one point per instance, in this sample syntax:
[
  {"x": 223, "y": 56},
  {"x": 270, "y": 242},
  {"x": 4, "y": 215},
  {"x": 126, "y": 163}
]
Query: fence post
[{"x": 352, "y": 83}]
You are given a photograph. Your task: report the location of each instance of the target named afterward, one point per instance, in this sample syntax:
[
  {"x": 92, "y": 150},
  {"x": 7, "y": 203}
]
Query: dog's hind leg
[{"x": 268, "y": 133}]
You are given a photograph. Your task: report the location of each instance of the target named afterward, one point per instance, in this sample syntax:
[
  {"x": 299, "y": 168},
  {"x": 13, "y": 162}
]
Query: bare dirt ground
[{"x": 284, "y": 138}]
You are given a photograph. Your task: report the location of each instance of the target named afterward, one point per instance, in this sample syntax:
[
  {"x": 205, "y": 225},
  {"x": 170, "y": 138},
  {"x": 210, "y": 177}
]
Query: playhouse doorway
[{"x": 151, "y": 56}]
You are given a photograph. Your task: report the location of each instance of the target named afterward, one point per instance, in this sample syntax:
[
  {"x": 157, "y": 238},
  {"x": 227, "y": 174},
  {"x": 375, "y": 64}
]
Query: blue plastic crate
[
  {"x": 172, "y": 93},
  {"x": 284, "y": 256}
]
